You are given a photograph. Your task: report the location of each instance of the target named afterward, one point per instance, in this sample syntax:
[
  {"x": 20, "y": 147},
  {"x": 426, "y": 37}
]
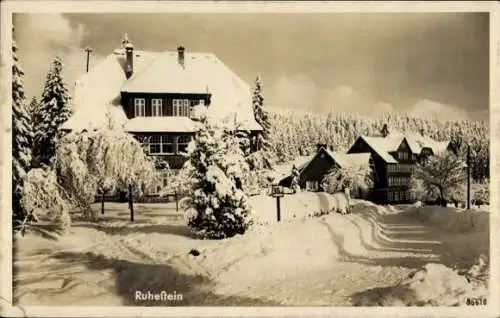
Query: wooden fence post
[{"x": 131, "y": 203}]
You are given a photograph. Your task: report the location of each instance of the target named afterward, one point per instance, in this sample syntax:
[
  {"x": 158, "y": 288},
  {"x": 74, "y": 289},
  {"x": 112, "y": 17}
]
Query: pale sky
[{"x": 360, "y": 61}]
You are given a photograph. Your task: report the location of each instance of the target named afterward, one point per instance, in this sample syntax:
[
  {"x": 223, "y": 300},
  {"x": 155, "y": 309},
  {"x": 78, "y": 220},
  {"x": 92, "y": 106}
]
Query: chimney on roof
[
  {"x": 129, "y": 53},
  {"x": 180, "y": 55}
]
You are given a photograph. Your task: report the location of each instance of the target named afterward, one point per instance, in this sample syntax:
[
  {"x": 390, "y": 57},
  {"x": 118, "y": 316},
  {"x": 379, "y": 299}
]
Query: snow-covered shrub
[
  {"x": 480, "y": 193},
  {"x": 258, "y": 182},
  {"x": 106, "y": 158},
  {"x": 443, "y": 172},
  {"x": 42, "y": 197},
  {"x": 218, "y": 171},
  {"x": 179, "y": 181},
  {"x": 419, "y": 191},
  {"x": 353, "y": 177}
]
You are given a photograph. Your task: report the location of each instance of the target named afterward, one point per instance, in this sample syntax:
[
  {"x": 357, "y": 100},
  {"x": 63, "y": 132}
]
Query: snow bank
[
  {"x": 299, "y": 205},
  {"x": 432, "y": 285},
  {"x": 452, "y": 219}
]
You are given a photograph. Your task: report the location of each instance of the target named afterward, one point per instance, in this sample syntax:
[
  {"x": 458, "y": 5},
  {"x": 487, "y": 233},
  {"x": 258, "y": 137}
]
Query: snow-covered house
[
  {"x": 312, "y": 172},
  {"x": 158, "y": 97},
  {"x": 392, "y": 158}
]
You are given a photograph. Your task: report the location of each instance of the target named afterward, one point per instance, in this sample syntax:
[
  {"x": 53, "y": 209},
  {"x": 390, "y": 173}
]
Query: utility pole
[
  {"x": 88, "y": 50},
  {"x": 468, "y": 177}
]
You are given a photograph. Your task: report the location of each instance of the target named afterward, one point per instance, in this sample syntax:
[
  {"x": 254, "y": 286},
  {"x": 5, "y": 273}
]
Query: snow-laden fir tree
[
  {"x": 53, "y": 111},
  {"x": 21, "y": 140},
  {"x": 263, "y": 142},
  {"x": 33, "y": 107},
  {"x": 218, "y": 170}
]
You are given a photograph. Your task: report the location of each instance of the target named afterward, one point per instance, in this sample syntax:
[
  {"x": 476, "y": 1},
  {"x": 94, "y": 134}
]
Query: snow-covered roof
[
  {"x": 161, "y": 124},
  {"x": 98, "y": 91},
  {"x": 345, "y": 160},
  {"x": 384, "y": 145},
  {"x": 284, "y": 170}
]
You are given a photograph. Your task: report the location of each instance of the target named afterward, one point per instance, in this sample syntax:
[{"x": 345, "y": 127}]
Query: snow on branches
[
  {"x": 22, "y": 136},
  {"x": 442, "y": 174},
  {"x": 42, "y": 197},
  {"x": 263, "y": 141},
  {"x": 53, "y": 111},
  {"x": 218, "y": 170},
  {"x": 353, "y": 177},
  {"x": 101, "y": 160}
]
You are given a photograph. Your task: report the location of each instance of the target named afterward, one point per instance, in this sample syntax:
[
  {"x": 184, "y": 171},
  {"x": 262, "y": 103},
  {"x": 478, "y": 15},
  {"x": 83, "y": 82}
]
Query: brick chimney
[
  {"x": 129, "y": 54},
  {"x": 180, "y": 55}
]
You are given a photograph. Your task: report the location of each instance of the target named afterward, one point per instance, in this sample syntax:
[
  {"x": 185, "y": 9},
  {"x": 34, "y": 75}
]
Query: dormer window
[
  {"x": 139, "y": 107},
  {"x": 181, "y": 107},
  {"x": 156, "y": 107}
]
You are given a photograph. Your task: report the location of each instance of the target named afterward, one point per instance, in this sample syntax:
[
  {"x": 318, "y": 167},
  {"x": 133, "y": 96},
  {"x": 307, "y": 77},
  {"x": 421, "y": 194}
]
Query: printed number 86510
[{"x": 476, "y": 301}]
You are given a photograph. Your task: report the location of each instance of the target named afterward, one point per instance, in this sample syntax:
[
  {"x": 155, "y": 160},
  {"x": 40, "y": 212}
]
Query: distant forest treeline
[{"x": 296, "y": 134}]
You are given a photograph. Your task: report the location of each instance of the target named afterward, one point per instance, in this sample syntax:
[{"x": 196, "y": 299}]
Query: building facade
[
  {"x": 394, "y": 157},
  {"x": 159, "y": 97},
  {"x": 391, "y": 158}
]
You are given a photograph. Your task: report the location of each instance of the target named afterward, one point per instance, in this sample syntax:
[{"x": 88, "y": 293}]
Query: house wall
[
  {"x": 398, "y": 191},
  {"x": 316, "y": 170},
  {"x": 175, "y": 161},
  {"x": 127, "y": 100},
  {"x": 380, "y": 179}
]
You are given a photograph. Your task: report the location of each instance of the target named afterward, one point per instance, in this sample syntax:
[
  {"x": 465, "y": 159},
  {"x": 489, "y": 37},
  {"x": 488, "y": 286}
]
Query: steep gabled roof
[
  {"x": 98, "y": 91},
  {"x": 283, "y": 171},
  {"x": 417, "y": 142},
  {"x": 343, "y": 160},
  {"x": 383, "y": 146}
]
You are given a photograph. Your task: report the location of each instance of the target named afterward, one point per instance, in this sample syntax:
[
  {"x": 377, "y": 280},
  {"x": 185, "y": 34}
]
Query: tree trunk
[
  {"x": 441, "y": 194},
  {"x": 102, "y": 203},
  {"x": 131, "y": 203}
]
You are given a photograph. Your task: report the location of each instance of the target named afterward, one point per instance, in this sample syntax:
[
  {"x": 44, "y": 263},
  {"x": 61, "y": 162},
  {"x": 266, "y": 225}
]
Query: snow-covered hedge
[
  {"x": 452, "y": 219},
  {"x": 299, "y": 205}
]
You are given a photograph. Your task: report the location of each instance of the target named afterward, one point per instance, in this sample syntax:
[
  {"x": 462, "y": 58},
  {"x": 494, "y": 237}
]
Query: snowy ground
[{"x": 328, "y": 260}]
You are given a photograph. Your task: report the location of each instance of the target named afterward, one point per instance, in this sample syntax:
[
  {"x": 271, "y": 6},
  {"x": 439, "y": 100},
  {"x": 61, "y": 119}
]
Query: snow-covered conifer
[
  {"x": 263, "y": 140},
  {"x": 219, "y": 170},
  {"x": 21, "y": 140},
  {"x": 53, "y": 111}
]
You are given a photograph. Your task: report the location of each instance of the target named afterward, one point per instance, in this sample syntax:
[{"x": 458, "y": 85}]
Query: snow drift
[
  {"x": 432, "y": 285},
  {"x": 452, "y": 219}
]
